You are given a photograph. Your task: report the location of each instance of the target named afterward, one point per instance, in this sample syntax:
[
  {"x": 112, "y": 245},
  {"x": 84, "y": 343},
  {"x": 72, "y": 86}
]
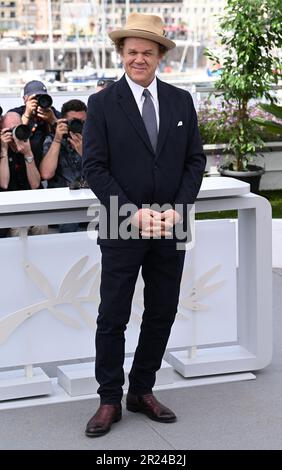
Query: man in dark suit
[{"x": 142, "y": 156}]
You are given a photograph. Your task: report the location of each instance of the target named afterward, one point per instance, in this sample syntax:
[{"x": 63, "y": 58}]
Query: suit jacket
[{"x": 118, "y": 159}]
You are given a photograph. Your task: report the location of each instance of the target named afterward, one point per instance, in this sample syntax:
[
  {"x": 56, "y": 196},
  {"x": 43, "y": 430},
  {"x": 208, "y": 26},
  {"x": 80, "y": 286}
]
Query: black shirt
[{"x": 18, "y": 176}]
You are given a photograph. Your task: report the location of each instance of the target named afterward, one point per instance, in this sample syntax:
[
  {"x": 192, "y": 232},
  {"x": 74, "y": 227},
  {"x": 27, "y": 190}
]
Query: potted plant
[{"x": 250, "y": 33}]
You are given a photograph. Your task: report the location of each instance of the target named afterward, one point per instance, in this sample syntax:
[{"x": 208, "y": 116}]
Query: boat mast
[{"x": 50, "y": 33}]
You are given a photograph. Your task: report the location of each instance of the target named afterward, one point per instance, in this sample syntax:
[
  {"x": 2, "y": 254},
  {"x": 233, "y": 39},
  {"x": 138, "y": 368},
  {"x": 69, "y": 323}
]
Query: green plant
[
  {"x": 274, "y": 127},
  {"x": 250, "y": 32},
  {"x": 216, "y": 124}
]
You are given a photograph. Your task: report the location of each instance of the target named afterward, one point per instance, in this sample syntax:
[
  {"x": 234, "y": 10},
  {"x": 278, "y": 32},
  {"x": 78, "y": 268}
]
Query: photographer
[
  {"x": 62, "y": 150},
  {"x": 38, "y": 113},
  {"x": 18, "y": 169},
  {"x": 3, "y": 231}
]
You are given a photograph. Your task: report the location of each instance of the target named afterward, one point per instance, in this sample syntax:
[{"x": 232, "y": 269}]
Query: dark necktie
[{"x": 149, "y": 118}]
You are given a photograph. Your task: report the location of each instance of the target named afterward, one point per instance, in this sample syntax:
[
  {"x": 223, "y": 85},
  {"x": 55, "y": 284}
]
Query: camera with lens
[
  {"x": 75, "y": 126},
  {"x": 20, "y": 132},
  {"x": 44, "y": 101}
]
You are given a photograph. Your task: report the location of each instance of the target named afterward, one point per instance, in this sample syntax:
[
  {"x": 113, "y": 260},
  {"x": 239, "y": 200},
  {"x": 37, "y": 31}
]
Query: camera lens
[
  {"x": 44, "y": 101},
  {"x": 22, "y": 132},
  {"x": 75, "y": 125}
]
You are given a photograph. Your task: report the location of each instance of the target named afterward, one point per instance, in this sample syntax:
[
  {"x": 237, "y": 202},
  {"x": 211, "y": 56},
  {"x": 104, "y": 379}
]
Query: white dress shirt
[{"x": 137, "y": 91}]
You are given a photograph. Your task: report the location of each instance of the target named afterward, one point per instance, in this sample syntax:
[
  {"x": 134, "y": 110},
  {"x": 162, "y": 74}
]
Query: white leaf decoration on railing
[
  {"x": 64, "y": 318},
  {"x": 190, "y": 296},
  {"x": 72, "y": 284},
  {"x": 191, "y": 293},
  {"x": 38, "y": 278},
  {"x": 89, "y": 320},
  {"x": 94, "y": 292},
  {"x": 71, "y": 276},
  {"x": 206, "y": 277},
  {"x": 201, "y": 293},
  {"x": 70, "y": 287},
  {"x": 80, "y": 282}
]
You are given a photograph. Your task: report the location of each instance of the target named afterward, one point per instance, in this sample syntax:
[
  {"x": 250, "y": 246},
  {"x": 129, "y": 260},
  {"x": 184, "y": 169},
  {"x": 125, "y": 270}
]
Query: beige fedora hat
[{"x": 143, "y": 26}]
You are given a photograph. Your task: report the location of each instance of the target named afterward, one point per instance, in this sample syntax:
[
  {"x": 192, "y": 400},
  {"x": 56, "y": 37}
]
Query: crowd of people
[{"x": 41, "y": 147}]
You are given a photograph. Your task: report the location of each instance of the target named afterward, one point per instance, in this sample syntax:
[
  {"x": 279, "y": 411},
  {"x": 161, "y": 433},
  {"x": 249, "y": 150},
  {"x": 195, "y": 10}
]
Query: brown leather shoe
[
  {"x": 103, "y": 419},
  {"x": 150, "y": 406}
]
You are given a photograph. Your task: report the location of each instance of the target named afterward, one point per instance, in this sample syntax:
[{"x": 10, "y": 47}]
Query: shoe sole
[
  {"x": 136, "y": 409},
  {"x": 99, "y": 434}
]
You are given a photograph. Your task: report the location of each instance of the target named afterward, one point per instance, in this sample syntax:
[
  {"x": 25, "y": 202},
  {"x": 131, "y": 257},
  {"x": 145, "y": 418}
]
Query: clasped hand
[{"x": 153, "y": 224}]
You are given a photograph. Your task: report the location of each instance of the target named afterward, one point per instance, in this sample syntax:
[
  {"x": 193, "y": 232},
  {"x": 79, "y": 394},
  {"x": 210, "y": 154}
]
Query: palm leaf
[
  {"x": 200, "y": 294},
  {"x": 40, "y": 280},
  {"x": 9, "y": 323},
  {"x": 206, "y": 277},
  {"x": 182, "y": 316},
  {"x": 79, "y": 283},
  {"x": 64, "y": 318},
  {"x": 71, "y": 276},
  {"x": 200, "y": 307},
  {"x": 89, "y": 320},
  {"x": 94, "y": 292},
  {"x": 186, "y": 302}
]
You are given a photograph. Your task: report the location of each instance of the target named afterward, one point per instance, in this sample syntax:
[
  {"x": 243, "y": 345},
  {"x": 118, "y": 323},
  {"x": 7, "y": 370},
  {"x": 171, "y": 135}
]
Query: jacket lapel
[
  {"x": 165, "y": 115},
  {"x": 130, "y": 108}
]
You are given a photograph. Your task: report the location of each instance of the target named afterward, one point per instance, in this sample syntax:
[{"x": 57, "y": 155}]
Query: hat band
[{"x": 146, "y": 31}]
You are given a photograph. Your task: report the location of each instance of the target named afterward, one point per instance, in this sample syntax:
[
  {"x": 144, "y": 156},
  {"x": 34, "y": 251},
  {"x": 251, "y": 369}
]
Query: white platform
[
  {"x": 14, "y": 384},
  {"x": 78, "y": 379},
  {"x": 164, "y": 376},
  {"x": 218, "y": 360},
  {"x": 59, "y": 395}
]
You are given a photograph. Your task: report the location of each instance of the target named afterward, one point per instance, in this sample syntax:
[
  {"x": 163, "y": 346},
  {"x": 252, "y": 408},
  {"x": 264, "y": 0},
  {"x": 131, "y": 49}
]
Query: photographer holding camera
[
  {"x": 62, "y": 150},
  {"x": 18, "y": 166},
  {"x": 38, "y": 113},
  {"x": 3, "y": 231},
  {"x": 18, "y": 169}
]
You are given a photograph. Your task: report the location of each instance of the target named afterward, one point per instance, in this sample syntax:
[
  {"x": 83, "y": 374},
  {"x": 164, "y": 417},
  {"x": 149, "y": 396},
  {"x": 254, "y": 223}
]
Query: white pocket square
[{"x": 180, "y": 123}]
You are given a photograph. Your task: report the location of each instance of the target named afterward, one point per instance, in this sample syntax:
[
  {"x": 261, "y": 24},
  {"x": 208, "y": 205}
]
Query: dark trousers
[{"x": 161, "y": 270}]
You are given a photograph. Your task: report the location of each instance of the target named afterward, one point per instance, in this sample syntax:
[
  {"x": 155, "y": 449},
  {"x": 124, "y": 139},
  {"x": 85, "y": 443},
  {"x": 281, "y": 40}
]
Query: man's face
[
  {"x": 76, "y": 115},
  {"x": 140, "y": 58}
]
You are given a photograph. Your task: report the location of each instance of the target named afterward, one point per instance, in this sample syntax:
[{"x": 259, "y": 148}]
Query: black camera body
[
  {"x": 44, "y": 101},
  {"x": 75, "y": 126},
  {"x": 20, "y": 132}
]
